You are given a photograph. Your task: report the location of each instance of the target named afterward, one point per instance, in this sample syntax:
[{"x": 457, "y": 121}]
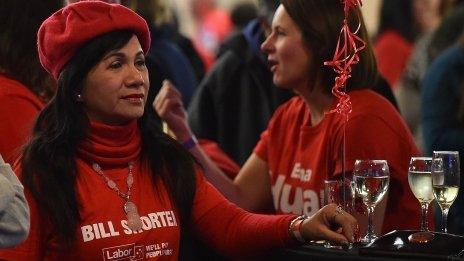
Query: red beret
[{"x": 64, "y": 32}]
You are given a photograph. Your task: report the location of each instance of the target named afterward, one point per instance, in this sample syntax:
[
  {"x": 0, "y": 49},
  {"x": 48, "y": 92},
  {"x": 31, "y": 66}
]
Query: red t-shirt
[
  {"x": 103, "y": 234},
  {"x": 300, "y": 156},
  {"x": 392, "y": 52},
  {"x": 18, "y": 109}
]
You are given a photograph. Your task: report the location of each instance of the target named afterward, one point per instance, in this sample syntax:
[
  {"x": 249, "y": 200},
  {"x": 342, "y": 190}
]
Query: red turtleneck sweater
[
  {"x": 18, "y": 109},
  {"x": 103, "y": 233}
]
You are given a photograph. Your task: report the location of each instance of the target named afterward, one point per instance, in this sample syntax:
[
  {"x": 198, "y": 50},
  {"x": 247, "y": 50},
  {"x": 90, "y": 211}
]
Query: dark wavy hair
[
  {"x": 48, "y": 162},
  {"x": 19, "y": 22},
  {"x": 320, "y": 22}
]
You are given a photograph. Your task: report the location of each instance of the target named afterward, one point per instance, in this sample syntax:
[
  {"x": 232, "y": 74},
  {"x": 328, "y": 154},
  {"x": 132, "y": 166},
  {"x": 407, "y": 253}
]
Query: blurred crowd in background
[{"x": 211, "y": 51}]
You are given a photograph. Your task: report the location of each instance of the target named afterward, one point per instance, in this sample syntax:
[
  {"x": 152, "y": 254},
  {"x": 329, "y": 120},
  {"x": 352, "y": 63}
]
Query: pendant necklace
[{"x": 133, "y": 217}]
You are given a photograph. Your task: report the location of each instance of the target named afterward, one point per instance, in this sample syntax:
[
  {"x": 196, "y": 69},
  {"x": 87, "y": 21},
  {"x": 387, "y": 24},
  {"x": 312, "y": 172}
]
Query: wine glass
[
  {"x": 371, "y": 179},
  {"x": 341, "y": 193},
  {"x": 420, "y": 182},
  {"x": 445, "y": 181}
]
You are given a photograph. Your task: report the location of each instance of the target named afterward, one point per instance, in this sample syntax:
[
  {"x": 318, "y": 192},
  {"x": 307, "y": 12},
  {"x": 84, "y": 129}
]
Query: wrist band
[
  {"x": 295, "y": 228},
  {"x": 190, "y": 143}
]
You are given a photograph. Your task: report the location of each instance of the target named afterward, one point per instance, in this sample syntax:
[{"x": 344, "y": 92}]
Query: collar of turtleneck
[{"x": 111, "y": 146}]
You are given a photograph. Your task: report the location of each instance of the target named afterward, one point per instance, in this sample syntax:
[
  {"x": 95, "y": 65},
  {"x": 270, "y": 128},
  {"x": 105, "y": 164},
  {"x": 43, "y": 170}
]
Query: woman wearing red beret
[{"x": 103, "y": 182}]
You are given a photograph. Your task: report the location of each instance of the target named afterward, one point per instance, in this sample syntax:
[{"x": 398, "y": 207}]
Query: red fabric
[
  {"x": 303, "y": 156},
  {"x": 61, "y": 35},
  {"x": 207, "y": 58},
  {"x": 224, "y": 162},
  {"x": 19, "y": 108},
  {"x": 220, "y": 223},
  {"x": 392, "y": 52},
  {"x": 213, "y": 29}
]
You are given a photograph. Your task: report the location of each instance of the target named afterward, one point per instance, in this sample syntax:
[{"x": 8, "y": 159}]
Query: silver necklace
[{"x": 133, "y": 217}]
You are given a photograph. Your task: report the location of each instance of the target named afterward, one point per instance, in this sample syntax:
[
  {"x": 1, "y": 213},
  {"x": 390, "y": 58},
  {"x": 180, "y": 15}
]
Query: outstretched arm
[
  {"x": 235, "y": 232},
  {"x": 251, "y": 189}
]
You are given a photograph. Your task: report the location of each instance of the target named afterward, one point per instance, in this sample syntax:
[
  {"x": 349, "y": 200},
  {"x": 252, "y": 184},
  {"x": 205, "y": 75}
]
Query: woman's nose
[
  {"x": 266, "y": 46},
  {"x": 135, "y": 77}
]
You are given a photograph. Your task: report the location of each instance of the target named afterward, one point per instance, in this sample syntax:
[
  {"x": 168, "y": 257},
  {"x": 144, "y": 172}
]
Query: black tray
[{"x": 441, "y": 247}]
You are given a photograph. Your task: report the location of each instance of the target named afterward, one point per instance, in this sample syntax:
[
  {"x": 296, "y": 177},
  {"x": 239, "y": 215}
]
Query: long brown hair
[{"x": 320, "y": 22}]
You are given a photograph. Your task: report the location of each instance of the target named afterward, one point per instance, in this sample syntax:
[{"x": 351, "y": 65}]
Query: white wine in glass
[
  {"x": 445, "y": 181},
  {"x": 371, "y": 179},
  {"x": 420, "y": 182},
  {"x": 445, "y": 195}
]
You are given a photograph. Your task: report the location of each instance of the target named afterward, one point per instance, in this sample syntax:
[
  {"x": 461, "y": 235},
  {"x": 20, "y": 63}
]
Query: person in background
[
  {"x": 165, "y": 61},
  {"x": 442, "y": 107},
  {"x": 24, "y": 85},
  {"x": 101, "y": 177},
  {"x": 426, "y": 49},
  {"x": 449, "y": 31},
  {"x": 213, "y": 27},
  {"x": 242, "y": 13},
  {"x": 395, "y": 38},
  {"x": 235, "y": 101},
  {"x": 14, "y": 211},
  {"x": 401, "y": 24},
  {"x": 182, "y": 42},
  {"x": 302, "y": 145},
  {"x": 189, "y": 50}
]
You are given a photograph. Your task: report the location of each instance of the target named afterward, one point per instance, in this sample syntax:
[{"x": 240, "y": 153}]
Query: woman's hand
[
  {"x": 168, "y": 104},
  {"x": 330, "y": 223}
]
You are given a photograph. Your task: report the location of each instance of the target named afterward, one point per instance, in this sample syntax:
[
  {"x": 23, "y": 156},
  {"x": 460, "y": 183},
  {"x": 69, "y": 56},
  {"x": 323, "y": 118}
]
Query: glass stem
[
  {"x": 370, "y": 217},
  {"x": 445, "y": 220},
  {"x": 424, "y": 221}
]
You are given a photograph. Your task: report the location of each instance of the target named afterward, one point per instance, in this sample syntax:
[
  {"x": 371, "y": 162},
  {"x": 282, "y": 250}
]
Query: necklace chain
[
  {"x": 112, "y": 185},
  {"x": 133, "y": 218}
]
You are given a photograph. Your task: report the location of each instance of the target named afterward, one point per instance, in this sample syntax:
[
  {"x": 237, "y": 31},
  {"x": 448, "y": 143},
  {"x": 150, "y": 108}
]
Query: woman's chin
[{"x": 282, "y": 85}]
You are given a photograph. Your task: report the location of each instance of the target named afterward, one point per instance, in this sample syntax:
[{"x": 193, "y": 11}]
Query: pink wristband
[{"x": 190, "y": 143}]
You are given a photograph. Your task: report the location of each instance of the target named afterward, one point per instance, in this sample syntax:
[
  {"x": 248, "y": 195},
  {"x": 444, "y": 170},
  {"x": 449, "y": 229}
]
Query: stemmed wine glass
[
  {"x": 420, "y": 182},
  {"x": 371, "y": 179},
  {"x": 445, "y": 181}
]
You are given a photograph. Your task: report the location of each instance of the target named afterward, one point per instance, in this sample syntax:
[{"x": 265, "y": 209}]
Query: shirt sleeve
[
  {"x": 233, "y": 231},
  {"x": 32, "y": 247},
  {"x": 14, "y": 211},
  {"x": 261, "y": 148}
]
